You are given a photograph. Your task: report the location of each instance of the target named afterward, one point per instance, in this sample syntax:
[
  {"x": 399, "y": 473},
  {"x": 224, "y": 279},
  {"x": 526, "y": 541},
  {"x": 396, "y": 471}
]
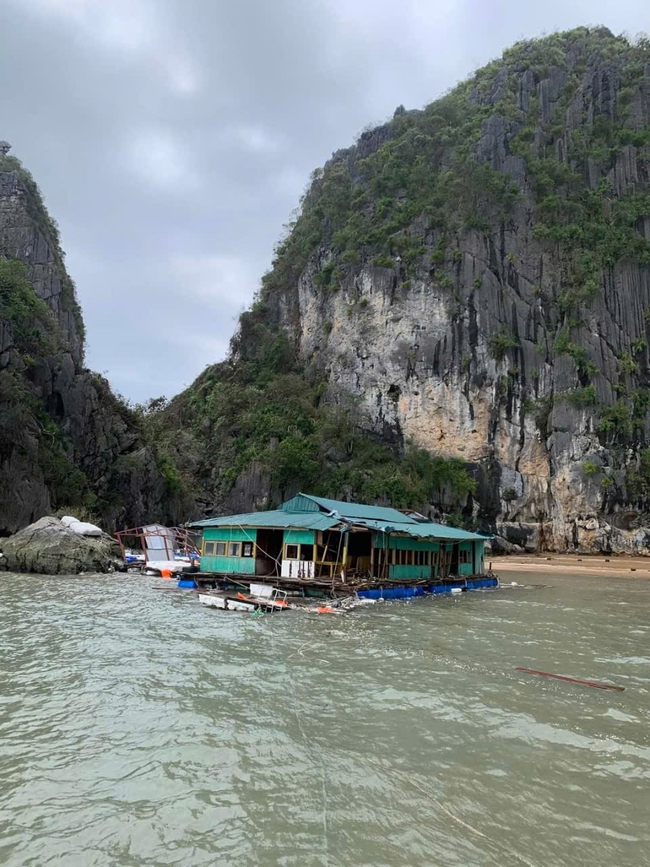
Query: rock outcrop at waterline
[
  {"x": 49, "y": 547},
  {"x": 65, "y": 440},
  {"x": 474, "y": 279}
]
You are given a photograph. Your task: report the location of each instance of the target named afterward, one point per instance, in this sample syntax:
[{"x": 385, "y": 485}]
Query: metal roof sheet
[
  {"x": 302, "y": 513},
  {"x": 443, "y": 531},
  {"x": 277, "y": 519},
  {"x": 355, "y": 510},
  {"x": 420, "y": 530}
]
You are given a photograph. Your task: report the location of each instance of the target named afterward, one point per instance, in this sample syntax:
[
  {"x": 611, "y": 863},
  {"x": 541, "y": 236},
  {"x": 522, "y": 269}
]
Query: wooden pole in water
[
  {"x": 572, "y": 679},
  {"x": 345, "y": 554}
]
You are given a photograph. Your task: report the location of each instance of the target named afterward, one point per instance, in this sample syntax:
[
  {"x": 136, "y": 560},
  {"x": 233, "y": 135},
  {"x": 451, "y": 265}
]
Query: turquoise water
[{"x": 138, "y": 728}]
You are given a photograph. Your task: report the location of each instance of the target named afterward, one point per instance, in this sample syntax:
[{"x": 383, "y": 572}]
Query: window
[
  {"x": 234, "y": 549},
  {"x": 208, "y": 549},
  {"x": 292, "y": 552},
  {"x": 220, "y": 549},
  {"x": 464, "y": 556},
  {"x": 306, "y": 552},
  {"x": 247, "y": 549}
]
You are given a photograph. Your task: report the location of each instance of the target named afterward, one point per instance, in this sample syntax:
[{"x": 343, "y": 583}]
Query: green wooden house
[{"x": 313, "y": 538}]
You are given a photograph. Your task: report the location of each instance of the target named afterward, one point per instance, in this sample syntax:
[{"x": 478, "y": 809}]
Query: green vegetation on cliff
[
  {"x": 528, "y": 144},
  {"x": 24, "y": 419},
  {"x": 43, "y": 222},
  {"x": 66, "y": 442},
  {"x": 263, "y": 409},
  {"x": 522, "y": 143}
]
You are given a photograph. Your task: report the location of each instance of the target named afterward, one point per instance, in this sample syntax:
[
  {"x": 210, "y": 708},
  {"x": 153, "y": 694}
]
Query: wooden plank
[{"x": 592, "y": 683}]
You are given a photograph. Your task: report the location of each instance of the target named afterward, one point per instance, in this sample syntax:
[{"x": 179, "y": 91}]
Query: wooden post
[
  {"x": 387, "y": 557},
  {"x": 345, "y": 554},
  {"x": 372, "y": 555}
]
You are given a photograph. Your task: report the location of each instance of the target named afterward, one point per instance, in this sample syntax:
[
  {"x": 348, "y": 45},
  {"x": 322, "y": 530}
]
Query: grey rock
[
  {"x": 499, "y": 545},
  {"x": 102, "y": 438},
  {"x": 49, "y": 547},
  {"x": 524, "y": 536},
  {"x": 422, "y": 370}
]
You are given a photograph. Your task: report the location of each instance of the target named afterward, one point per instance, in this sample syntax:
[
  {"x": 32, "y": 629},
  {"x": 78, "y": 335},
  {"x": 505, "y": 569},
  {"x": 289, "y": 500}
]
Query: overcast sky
[{"x": 173, "y": 138}]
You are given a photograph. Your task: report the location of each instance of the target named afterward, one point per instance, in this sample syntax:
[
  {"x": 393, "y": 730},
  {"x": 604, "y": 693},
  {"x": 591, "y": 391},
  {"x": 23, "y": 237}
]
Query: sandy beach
[{"x": 571, "y": 564}]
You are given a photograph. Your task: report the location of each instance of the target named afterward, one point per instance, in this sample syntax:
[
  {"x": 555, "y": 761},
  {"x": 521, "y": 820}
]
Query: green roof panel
[
  {"x": 351, "y": 510},
  {"x": 443, "y": 531},
  {"x": 277, "y": 519},
  {"x": 420, "y": 530},
  {"x": 305, "y": 512}
]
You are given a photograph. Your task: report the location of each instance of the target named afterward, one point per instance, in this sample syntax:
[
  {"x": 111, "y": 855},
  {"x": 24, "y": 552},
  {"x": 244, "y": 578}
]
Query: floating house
[{"x": 316, "y": 540}]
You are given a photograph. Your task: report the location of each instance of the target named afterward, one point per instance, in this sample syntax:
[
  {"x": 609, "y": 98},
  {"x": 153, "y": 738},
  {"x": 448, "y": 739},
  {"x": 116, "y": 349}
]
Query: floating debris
[{"x": 593, "y": 683}]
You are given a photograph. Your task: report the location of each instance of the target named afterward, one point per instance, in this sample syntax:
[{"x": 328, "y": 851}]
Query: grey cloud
[{"x": 173, "y": 139}]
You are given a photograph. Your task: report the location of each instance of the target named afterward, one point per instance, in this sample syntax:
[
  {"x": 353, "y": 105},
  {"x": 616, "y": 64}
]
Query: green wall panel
[
  {"x": 229, "y": 565},
  {"x": 299, "y": 537},
  {"x": 229, "y": 534},
  {"x": 404, "y": 573}
]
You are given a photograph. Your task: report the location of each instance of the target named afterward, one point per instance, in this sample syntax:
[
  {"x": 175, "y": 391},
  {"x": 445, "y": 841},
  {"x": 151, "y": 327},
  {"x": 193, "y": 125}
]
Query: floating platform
[
  {"x": 233, "y": 585},
  {"x": 456, "y": 586}
]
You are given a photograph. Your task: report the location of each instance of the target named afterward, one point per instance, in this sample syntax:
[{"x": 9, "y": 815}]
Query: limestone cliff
[
  {"x": 474, "y": 279},
  {"x": 65, "y": 440}
]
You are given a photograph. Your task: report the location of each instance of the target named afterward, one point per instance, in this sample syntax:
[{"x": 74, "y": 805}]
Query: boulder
[
  {"x": 521, "y": 535},
  {"x": 503, "y": 546},
  {"x": 51, "y": 548}
]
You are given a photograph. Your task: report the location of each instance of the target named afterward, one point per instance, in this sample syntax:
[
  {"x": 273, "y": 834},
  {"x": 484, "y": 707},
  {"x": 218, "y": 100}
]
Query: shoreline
[{"x": 572, "y": 564}]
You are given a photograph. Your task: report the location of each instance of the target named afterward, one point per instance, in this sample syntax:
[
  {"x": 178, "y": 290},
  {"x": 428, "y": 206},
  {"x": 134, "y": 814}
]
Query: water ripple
[{"x": 137, "y": 728}]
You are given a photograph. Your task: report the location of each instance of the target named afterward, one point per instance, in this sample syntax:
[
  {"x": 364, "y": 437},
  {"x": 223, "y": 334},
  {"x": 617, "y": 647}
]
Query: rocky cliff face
[
  {"x": 475, "y": 279},
  {"x": 512, "y": 336},
  {"x": 65, "y": 440}
]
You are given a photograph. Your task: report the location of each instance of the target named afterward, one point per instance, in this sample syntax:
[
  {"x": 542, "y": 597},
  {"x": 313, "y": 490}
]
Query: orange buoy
[{"x": 166, "y": 573}]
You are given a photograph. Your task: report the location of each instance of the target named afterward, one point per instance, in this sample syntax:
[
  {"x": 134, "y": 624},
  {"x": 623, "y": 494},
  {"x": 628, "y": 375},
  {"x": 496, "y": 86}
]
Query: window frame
[
  {"x": 209, "y": 548},
  {"x": 248, "y": 546},
  {"x": 224, "y": 548},
  {"x": 291, "y": 546},
  {"x": 234, "y": 549}
]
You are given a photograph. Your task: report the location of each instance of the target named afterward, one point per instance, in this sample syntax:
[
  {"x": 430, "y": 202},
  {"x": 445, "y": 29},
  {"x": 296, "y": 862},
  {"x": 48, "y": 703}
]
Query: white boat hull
[{"x": 225, "y": 604}]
